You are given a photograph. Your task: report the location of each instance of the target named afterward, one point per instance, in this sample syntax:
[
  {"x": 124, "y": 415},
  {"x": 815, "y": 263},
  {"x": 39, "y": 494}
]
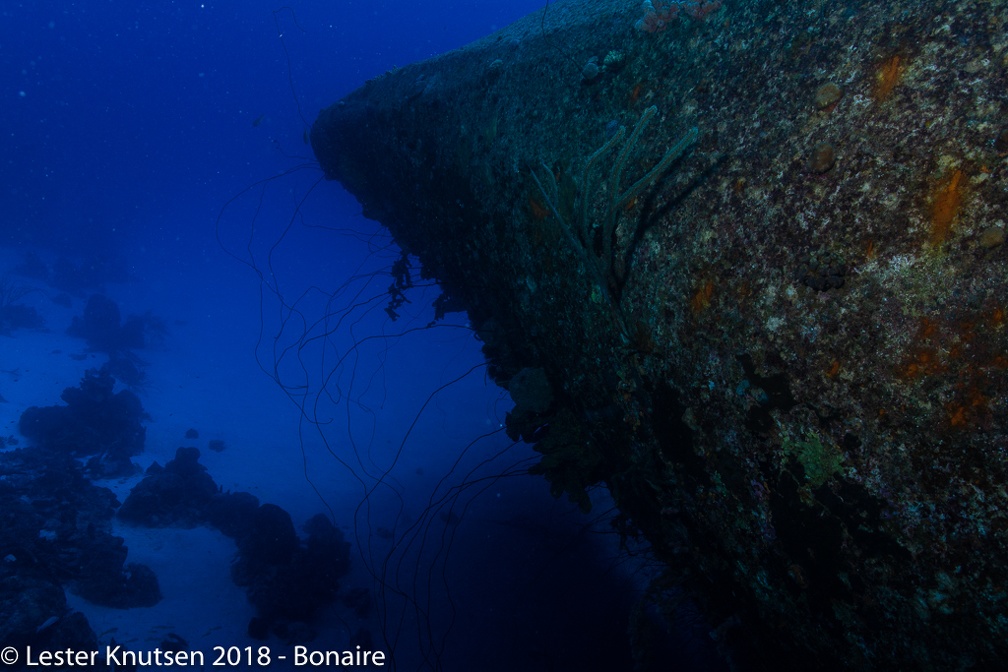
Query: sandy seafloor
[
  {"x": 510, "y": 568},
  {"x": 203, "y": 376}
]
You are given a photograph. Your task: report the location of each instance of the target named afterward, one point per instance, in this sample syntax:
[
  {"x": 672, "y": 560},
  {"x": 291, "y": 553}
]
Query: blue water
[{"x": 159, "y": 150}]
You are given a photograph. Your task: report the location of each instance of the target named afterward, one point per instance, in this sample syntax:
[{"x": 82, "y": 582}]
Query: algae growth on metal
[{"x": 785, "y": 352}]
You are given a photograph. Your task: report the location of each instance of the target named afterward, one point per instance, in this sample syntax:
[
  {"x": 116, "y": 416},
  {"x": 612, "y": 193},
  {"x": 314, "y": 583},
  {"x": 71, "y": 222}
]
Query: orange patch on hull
[
  {"x": 946, "y": 200},
  {"x": 702, "y": 297},
  {"x": 888, "y": 77},
  {"x": 538, "y": 210}
]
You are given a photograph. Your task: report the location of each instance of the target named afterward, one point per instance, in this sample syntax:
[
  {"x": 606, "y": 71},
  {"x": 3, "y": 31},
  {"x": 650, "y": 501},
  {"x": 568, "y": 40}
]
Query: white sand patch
[
  {"x": 201, "y": 604},
  {"x": 202, "y": 376}
]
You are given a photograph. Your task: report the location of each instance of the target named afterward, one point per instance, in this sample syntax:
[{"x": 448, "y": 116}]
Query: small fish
[
  {"x": 49, "y": 622},
  {"x": 258, "y": 120}
]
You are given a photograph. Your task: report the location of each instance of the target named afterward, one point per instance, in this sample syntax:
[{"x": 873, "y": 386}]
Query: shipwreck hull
[{"x": 783, "y": 348}]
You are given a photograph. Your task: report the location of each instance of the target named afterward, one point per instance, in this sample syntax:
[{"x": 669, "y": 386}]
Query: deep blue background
[{"x": 117, "y": 112}]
